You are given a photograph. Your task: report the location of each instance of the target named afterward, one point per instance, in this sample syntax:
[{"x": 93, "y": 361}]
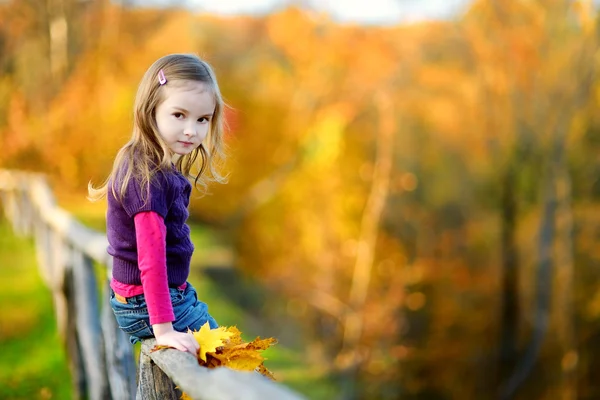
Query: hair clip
[{"x": 161, "y": 77}]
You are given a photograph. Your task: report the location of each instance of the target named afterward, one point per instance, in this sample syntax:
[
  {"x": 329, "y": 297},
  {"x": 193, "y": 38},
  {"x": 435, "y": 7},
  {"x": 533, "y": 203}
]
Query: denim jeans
[{"x": 133, "y": 317}]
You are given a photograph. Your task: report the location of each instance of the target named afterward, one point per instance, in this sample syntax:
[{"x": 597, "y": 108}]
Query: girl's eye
[
  {"x": 178, "y": 115},
  {"x": 203, "y": 120}
]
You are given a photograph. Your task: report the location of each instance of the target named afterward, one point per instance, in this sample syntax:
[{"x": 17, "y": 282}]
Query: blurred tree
[{"x": 524, "y": 87}]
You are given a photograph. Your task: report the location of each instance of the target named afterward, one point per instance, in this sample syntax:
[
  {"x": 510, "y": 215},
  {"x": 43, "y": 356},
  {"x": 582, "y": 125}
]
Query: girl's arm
[{"x": 152, "y": 260}]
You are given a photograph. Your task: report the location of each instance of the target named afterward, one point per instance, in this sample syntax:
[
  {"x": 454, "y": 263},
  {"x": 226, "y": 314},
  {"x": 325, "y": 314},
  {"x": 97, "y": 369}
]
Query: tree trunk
[
  {"x": 510, "y": 277},
  {"x": 543, "y": 282},
  {"x": 353, "y": 324},
  {"x": 564, "y": 294}
]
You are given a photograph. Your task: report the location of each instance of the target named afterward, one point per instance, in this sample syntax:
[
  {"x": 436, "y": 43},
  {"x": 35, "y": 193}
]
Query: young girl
[{"x": 178, "y": 116}]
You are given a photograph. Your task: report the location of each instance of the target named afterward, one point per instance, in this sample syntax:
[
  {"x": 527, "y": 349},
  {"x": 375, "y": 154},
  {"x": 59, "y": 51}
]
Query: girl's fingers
[
  {"x": 191, "y": 344},
  {"x": 195, "y": 347},
  {"x": 195, "y": 344},
  {"x": 184, "y": 342},
  {"x": 180, "y": 347}
]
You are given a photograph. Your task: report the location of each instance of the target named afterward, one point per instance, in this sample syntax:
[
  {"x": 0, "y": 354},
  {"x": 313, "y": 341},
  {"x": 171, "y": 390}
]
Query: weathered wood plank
[
  {"x": 42, "y": 245},
  {"x": 88, "y": 325},
  {"x": 87, "y": 240},
  {"x": 73, "y": 348},
  {"x": 153, "y": 383},
  {"x": 214, "y": 384},
  {"x": 120, "y": 362}
]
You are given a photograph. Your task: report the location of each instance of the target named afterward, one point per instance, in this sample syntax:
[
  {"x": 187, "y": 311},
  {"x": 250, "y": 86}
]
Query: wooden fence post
[
  {"x": 153, "y": 383},
  {"x": 72, "y": 345},
  {"x": 88, "y": 324},
  {"x": 55, "y": 272},
  {"x": 120, "y": 362}
]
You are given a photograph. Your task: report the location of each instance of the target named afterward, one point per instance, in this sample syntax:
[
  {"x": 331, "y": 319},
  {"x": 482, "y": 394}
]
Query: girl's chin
[{"x": 180, "y": 153}]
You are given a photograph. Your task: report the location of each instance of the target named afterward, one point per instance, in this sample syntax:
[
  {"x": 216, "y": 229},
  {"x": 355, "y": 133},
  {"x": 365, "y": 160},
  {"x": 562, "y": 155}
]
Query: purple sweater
[{"x": 169, "y": 196}]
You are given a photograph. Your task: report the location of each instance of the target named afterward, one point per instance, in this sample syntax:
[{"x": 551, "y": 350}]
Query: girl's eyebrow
[{"x": 187, "y": 112}]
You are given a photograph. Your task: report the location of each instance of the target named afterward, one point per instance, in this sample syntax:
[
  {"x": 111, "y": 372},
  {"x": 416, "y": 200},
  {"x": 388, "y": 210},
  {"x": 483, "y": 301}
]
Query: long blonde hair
[{"x": 146, "y": 153}]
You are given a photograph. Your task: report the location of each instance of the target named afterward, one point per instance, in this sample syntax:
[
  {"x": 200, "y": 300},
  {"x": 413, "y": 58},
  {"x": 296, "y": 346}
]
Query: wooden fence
[{"x": 100, "y": 355}]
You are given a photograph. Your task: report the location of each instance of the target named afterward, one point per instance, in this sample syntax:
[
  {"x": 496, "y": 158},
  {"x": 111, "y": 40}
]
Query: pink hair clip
[{"x": 161, "y": 77}]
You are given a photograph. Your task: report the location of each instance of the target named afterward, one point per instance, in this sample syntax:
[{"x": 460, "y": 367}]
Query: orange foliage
[{"x": 303, "y": 132}]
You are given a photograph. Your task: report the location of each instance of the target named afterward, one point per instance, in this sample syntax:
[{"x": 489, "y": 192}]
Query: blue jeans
[{"x": 133, "y": 317}]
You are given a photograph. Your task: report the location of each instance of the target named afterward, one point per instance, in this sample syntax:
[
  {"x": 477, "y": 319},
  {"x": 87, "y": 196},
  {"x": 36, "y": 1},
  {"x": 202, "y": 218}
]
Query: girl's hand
[{"x": 167, "y": 336}]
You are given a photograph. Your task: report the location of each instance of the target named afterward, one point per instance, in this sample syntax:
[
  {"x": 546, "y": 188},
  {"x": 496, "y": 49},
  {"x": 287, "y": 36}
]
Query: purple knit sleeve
[{"x": 148, "y": 197}]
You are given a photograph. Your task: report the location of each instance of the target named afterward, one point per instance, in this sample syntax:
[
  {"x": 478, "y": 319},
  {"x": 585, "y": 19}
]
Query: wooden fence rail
[{"x": 100, "y": 355}]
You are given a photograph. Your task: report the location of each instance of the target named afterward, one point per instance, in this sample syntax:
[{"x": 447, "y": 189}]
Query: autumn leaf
[
  {"x": 265, "y": 372},
  {"x": 210, "y": 339},
  {"x": 236, "y": 337},
  {"x": 224, "y": 347},
  {"x": 160, "y": 347},
  {"x": 262, "y": 344},
  {"x": 241, "y": 357}
]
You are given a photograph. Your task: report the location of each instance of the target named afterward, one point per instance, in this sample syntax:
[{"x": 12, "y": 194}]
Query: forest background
[{"x": 416, "y": 204}]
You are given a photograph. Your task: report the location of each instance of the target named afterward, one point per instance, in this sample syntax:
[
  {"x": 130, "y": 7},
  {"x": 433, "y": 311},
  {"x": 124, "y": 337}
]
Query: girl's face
[{"x": 184, "y": 116}]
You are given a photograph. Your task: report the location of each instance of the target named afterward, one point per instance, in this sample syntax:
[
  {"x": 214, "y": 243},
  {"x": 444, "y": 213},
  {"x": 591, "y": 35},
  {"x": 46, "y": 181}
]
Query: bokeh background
[{"x": 413, "y": 207}]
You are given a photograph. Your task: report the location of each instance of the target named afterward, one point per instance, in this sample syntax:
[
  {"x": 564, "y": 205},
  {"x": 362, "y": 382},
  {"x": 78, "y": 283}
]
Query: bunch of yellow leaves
[{"x": 224, "y": 347}]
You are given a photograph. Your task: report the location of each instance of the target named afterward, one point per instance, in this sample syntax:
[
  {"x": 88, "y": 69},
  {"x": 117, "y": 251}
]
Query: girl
[{"x": 178, "y": 115}]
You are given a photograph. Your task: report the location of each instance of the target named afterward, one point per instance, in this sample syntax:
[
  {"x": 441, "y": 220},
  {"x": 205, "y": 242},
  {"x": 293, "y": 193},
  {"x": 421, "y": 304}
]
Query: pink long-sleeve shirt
[{"x": 150, "y": 233}]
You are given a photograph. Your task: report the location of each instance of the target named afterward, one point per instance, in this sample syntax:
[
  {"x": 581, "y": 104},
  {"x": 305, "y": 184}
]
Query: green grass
[{"x": 32, "y": 362}]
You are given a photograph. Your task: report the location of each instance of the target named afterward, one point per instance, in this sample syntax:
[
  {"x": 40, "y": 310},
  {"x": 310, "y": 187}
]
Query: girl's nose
[{"x": 189, "y": 131}]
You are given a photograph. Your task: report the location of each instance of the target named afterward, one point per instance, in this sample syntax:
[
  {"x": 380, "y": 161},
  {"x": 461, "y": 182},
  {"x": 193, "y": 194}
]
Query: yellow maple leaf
[
  {"x": 224, "y": 347},
  {"x": 246, "y": 362},
  {"x": 262, "y": 344},
  {"x": 210, "y": 339},
  {"x": 236, "y": 337},
  {"x": 239, "y": 358}
]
